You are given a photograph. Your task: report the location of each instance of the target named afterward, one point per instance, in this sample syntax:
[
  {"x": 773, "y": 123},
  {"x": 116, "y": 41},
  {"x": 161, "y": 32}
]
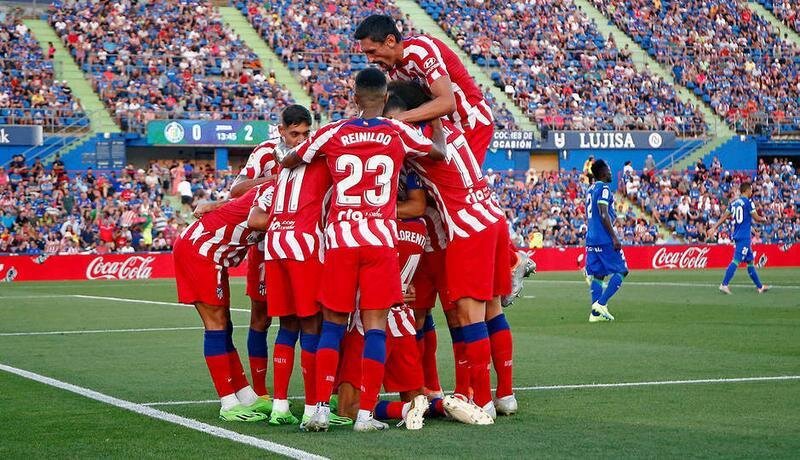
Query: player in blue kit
[
  {"x": 604, "y": 255},
  {"x": 742, "y": 212}
]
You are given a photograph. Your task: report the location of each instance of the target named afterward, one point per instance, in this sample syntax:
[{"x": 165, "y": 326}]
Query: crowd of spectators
[
  {"x": 316, "y": 42},
  {"x": 548, "y": 209},
  {"x": 688, "y": 203},
  {"x": 728, "y": 55},
  {"x": 551, "y": 59},
  {"x": 787, "y": 11},
  {"x": 46, "y": 210},
  {"x": 29, "y": 92},
  {"x": 166, "y": 58}
]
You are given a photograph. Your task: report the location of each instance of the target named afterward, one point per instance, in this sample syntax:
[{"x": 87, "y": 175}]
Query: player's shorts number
[{"x": 378, "y": 196}]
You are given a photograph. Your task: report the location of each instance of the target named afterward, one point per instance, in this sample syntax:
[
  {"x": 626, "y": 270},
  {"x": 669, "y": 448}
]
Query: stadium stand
[
  {"x": 29, "y": 92},
  {"x": 687, "y": 203},
  {"x": 548, "y": 209},
  {"x": 729, "y": 56},
  {"x": 785, "y": 10},
  {"x": 552, "y": 60},
  {"x": 48, "y": 211},
  {"x": 316, "y": 44},
  {"x": 166, "y": 59}
]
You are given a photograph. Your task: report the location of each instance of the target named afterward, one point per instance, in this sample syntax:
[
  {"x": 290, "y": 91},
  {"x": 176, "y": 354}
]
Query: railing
[
  {"x": 691, "y": 129},
  {"x": 50, "y": 119},
  {"x": 68, "y": 136}
]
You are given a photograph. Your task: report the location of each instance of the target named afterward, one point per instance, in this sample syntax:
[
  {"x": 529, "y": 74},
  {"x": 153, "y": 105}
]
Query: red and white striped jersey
[
  {"x": 437, "y": 235},
  {"x": 294, "y": 230},
  {"x": 261, "y": 162},
  {"x": 222, "y": 235},
  {"x": 364, "y": 157},
  {"x": 460, "y": 191},
  {"x": 427, "y": 59}
]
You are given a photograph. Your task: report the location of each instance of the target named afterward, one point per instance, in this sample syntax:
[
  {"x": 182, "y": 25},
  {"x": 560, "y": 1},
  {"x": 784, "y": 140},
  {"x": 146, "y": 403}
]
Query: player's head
[
  {"x": 601, "y": 171},
  {"x": 295, "y": 125},
  {"x": 411, "y": 92},
  {"x": 380, "y": 40},
  {"x": 394, "y": 105},
  {"x": 370, "y": 89},
  {"x": 746, "y": 189}
]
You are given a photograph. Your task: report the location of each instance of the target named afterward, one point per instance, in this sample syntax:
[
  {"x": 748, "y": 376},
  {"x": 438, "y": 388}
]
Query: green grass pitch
[{"x": 671, "y": 326}]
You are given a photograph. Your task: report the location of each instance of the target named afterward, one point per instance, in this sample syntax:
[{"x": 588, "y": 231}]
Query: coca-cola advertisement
[{"x": 144, "y": 266}]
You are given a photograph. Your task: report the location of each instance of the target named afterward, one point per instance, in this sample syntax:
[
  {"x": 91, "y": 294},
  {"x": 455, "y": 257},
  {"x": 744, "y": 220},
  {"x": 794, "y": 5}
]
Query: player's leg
[
  {"x": 337, "y": 295},
  {"x": 282, "y": 365},
  {"x": 502, "y": 346},
  {"x": 430, "y": 369},
  {"x": 739, "y": 253},
  {"x": 404, "y": 375},
  {"x": 462, "y": 384},
  {"x": 257, "y": 351},
  {"x": 309, "y": 342},
  {"x": 499, "y": 330},
  {"x": 348, "y": 377},
  {"x": 472, "y": 317},
  {"x": 257, "y": 348},
  {"x": 602, "y": 261},
  {"x": 215, "y": 349},
  {"x": 372, "y": 368},
  {"x": 751, "y": 270}
]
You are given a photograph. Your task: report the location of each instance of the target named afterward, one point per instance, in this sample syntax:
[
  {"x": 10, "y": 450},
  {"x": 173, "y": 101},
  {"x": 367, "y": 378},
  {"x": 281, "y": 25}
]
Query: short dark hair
[
  {"x": 597, "y": 167},
  {"x": 745, "y": 186},
  {"x": 371, "y": 82},
  {"x": 411, "y": 92},
  {"x": 394, "y": 102},
  {"x": 295, "y": 114},
  {"x": 377, "y": 27}
]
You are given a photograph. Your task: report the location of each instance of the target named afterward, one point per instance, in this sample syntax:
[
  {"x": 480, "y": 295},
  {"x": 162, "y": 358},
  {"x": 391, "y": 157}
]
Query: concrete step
[
  {"x": 269, "y": 60},
  {"x": 67, "y": 69}
]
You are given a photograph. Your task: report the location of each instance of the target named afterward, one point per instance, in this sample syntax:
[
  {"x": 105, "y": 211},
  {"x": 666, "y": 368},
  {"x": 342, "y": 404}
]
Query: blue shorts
[
  {"x": 604, "y": 260},
  {"x": 743, "y": 252}
]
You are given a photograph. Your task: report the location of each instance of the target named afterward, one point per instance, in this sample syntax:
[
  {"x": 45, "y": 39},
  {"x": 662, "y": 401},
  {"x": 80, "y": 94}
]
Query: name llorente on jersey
[
  {"x": 359, "y": 137},
  {"x": 411, "y": 237}
]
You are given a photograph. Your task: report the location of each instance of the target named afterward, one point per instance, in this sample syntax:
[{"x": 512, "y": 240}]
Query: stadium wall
[{"x": 160, "y": 265}]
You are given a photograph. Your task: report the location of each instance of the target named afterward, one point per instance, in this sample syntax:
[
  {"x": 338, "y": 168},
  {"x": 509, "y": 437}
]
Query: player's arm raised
[
  {"x": 606, "y": 220},
  {"x": 243, "y": 183},
  {"x": 442, "y": 104}
]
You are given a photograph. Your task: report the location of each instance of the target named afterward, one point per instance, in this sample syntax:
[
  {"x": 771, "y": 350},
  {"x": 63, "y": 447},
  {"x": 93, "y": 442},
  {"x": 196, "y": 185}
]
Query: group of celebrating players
[{"x": 350, "y": 234}]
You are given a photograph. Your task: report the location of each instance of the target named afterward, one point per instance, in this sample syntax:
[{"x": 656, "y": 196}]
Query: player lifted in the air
[
  {"x": 604, "y": 256},
  {"x": 742, "y": 212},
  {"x": 453, "y": 95},
  {"x": 364, "y": 155}
]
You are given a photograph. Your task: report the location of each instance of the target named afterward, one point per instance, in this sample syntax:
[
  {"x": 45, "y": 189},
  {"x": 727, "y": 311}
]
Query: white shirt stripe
[
  {"x": 470, "y": 220},
  {"x": 363, "y": 229}
]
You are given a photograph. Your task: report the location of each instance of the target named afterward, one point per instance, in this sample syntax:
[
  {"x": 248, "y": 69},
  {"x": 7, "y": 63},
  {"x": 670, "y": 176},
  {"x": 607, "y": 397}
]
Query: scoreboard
[{"x": 210, "y": 133}]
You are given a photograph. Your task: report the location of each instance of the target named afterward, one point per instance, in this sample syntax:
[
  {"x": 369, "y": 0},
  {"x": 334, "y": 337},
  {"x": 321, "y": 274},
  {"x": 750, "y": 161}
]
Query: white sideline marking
[
  {"x": 165, "y": 416},
  {"x": 148, "y": 302},
  {"x": 107, "y": 331},
  {"x": 661, "y": 382},
  {"x": 654, "y": 283},
  {"x": 555, "y": 387}
]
